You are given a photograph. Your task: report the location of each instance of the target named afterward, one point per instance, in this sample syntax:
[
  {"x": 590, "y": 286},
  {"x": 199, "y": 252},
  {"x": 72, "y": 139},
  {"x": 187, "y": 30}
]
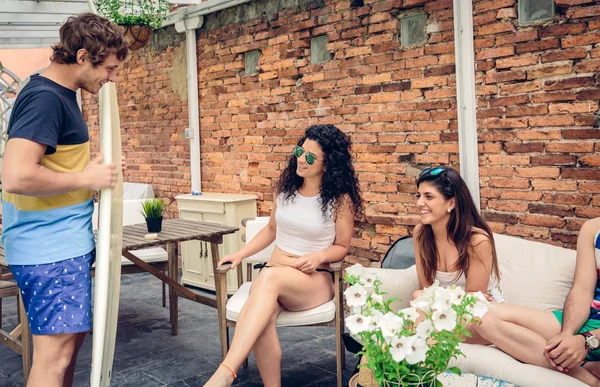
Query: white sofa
[{"x": 533, "y": 274}]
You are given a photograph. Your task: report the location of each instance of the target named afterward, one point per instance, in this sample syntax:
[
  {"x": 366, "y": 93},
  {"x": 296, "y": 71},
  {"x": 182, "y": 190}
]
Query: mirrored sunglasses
[
  {"x": 310, "y": 157},
  {"x": 432, "y": 171}
]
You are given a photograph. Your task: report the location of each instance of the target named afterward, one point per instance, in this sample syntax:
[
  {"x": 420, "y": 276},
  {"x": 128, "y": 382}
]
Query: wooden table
[{"x": 173, "y": 232}]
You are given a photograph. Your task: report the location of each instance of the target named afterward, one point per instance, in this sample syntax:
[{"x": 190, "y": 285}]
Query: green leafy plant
[
  {"x": 413, "y": 346},
  {"x": 153, "y": 208},
  {"x": 134, "y": 12}
]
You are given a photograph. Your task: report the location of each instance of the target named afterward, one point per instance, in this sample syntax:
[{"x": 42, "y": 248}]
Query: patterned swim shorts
[{"x": 57, "y": 296}]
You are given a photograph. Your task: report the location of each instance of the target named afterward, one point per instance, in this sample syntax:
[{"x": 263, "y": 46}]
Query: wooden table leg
[
  {"x": 173, "y": 274},
  {"x": 221, "y": 293}
]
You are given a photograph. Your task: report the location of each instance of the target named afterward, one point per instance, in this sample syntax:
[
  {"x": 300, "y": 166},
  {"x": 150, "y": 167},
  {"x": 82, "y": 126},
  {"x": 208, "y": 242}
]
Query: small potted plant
[
  {"x": 153, "y": 212},
  {"x": 137, "y": 17}
]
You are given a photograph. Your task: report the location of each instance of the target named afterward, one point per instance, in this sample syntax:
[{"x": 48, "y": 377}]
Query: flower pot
[
  {"x": 154, "y": 224},
  {"x": 137, "y": 36}
]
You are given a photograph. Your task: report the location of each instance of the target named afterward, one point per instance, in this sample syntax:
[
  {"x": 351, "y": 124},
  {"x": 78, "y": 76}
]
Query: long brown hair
[{"x": 460, "y": 226}]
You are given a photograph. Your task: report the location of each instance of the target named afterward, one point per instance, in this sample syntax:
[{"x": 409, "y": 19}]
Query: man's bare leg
[{"x": 53, "y": 355}]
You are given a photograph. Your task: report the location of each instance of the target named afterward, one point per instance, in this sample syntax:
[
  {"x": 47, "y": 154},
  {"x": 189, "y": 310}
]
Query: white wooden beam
[{"x": 466, "y": 96}]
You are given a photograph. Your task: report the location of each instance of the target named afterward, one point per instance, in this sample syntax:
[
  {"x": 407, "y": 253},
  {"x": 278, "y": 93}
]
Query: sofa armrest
[{"x": 399, "y": 283}]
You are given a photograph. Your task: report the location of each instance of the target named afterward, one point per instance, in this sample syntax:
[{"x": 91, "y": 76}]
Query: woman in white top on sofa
[
  {"x": 311, "y": 223},
  {"x": 452, "y": 243}
]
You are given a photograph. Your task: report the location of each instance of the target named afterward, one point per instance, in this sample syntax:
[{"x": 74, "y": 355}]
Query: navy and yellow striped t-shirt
[{"x": 38, "y": 230}]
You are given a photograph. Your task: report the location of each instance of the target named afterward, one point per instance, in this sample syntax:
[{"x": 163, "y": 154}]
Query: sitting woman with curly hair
[{"x": 311, "y": 224}]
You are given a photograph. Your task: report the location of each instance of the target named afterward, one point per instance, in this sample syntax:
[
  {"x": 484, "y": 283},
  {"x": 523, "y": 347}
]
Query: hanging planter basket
[{"x": 137, "y": 36}]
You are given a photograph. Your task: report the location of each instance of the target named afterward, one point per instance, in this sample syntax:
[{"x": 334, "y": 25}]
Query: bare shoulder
[
  {"x": 590, "y": 227},
  {"x": 480, "y": 238}
]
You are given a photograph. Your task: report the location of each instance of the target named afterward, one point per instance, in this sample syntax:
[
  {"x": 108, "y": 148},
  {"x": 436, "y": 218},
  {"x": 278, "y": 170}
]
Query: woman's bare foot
[{"x": 222, "y": 377}]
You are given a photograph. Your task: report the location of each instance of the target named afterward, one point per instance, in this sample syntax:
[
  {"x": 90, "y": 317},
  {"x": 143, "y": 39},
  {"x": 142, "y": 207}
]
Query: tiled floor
[{"x": 148, "y": 355}]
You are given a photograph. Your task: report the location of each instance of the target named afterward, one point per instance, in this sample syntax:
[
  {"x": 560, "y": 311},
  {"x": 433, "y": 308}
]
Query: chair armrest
[
  {"x": 336, "y": 266},
  {"x": 224, "y": 268}
]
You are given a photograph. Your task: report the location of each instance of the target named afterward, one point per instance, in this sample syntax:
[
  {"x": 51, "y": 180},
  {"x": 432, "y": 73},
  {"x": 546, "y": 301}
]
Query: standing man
[{"x": 49, "y": 182}]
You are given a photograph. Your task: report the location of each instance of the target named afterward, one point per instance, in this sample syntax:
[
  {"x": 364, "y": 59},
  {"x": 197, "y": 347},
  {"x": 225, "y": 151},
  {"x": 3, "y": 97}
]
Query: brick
[
  {"x": 517, "y": 61},
  {"x": 549, "y": 209},
  {"x": 527, "y": 110},
  {"x": 581, "y": 134},
  {"x": 490, "y": 53},
  {"x": 377, "y": 78},
  {"x": 509, "y": 101},
  {"x": 589, "y": 187},
  {"x": 505, "y": 76},
  {"x": 524, "y": 87},
  {"x": 507, "y": 206},
  {"x": 508, "y": 183},
  {"x": 527, "y": 231},
  {"x": 550, "y": 185},
  {"x": 541, "y": 45},
  {"x": 541, "y": 221},
  {"x": 575, "y": 107},
  {"x": 568, "y": 54},
  {"x": 552, "y": 160},
  {"x": 592, "y": 161},
  {"x": 429, "y": 82},
  {"x": 570, "y": 147},
  {"x": 500, "y": 217},
  {"x": 587, "y": 212},
  {"x": 562, "y": 29},
  {"x": 576, "y": 12},
  {"x": 556, "y": 120},
  {"x": 549, "y": 71},
  {"x": 486, "y": 6},
  {"x": 508, "y": 160},
  {"x": 588, "y": 95},
  {"x": 580, "y": 173},
  {"x": 495, "y": 28},
  {"x": 562, "y": 198},
  {"x": 507, "y": 123},
  {"x": 580, "y": 40},
  {"x": 553, "y": 96},
  {"x": 520, "y": 195},
  {"x": 588, "y": 66},
  {"x": 537, "y": 172},
  {"x": 517, "y": 37},
  {"x": 496, "y": 171},
  {"x": 506, "y": 13}
]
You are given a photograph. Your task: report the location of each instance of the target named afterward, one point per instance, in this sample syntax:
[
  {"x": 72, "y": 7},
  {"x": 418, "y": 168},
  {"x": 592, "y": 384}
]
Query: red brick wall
[{"x": 537, "y": 98}]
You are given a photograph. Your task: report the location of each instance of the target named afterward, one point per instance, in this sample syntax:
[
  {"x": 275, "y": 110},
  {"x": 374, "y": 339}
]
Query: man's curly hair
[
  {"x": 339, "y": 177},
  {"x": 97, "y": 35}
]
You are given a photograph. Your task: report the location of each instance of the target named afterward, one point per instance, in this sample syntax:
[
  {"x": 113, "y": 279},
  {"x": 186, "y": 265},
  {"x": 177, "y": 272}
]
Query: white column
[{"x": 465, "y": 95}]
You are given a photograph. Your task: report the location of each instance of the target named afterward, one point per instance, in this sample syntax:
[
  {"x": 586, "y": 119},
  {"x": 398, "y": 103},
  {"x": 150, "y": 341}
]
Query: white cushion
[
  {"x": 253, "y": 227},
  {"x": 321, "y": 314},
  {"x": 534, "y": 274}
]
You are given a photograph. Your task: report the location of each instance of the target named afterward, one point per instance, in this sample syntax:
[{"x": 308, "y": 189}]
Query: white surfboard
[{"x": 108, "y": 248}]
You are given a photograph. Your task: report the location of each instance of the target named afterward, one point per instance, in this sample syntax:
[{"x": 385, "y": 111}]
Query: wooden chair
[
  {"x": 328, "y": 314},
  {"x": 19, "y": 339}
]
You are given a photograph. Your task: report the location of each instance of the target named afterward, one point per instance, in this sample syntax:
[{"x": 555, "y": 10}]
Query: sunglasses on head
[
  {"x": 310, "y": 157},
  {"x": 432, "y": 171}
]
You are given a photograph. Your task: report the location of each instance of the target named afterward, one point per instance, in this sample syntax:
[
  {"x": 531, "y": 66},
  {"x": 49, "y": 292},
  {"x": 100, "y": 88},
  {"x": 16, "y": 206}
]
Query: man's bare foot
[{"x": 221, "y": 378}]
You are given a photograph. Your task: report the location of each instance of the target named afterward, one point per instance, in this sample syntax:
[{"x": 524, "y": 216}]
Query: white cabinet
[{"x": 224, "y": 209}]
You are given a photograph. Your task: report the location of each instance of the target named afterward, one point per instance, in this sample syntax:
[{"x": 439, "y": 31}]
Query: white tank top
[
  {"x": 302, "y": 227},
  {"x": 448, "y": 279}
]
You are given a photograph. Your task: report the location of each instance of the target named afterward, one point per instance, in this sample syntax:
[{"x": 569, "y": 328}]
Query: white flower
[
  {"x": 376, "y": 298},
  {"x": 441, "y": 299},
  {"x": 356, "y": 270},
  {"x": 422, "y": 303},
  {"x": 401, "y": 347},
  {"x": 374, "y": 319},
  {"x": 457, "y": 293},
  {"x": 481, "y": 306},
  {"x": 444, "y": 320},
  {"x": 410, "y": 314},
  {"x": 424, "y": 329},
  {"x": 356, "y": 295},
  {"x": 368, "y": 281},
  {"x": 390, "y": 325},
  {"x": 358, "y": 323},
  {"x": 431, "y": 289},
  {"x": 419, "y": 351}
]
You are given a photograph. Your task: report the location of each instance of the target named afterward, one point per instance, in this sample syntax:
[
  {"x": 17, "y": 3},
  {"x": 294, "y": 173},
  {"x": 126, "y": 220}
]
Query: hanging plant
[{"x": 137, "y": 17}]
